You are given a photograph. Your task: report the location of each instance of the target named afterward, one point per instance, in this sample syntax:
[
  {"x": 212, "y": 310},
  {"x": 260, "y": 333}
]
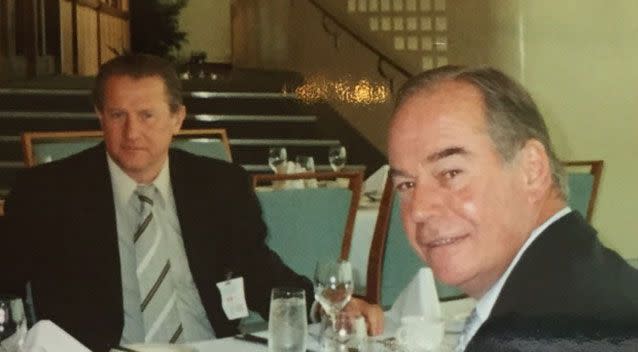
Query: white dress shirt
[
  {"x": 486, "y": 302},
  {"x": 189, "y": 305}
]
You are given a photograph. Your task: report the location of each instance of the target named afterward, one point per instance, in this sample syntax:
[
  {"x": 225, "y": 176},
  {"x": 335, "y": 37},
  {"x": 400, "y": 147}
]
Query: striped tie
[
  {"x": 159, "y": 311},
  {"x": 464, "y": 339}
]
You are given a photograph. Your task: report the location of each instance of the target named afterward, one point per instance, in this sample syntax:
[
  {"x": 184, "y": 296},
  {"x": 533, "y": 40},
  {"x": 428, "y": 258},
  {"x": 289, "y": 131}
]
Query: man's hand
[{"x": 372, "y": 313}]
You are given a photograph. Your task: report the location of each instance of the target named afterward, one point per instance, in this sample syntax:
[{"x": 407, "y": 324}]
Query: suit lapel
[
  {"x": 197, "y": 219},
  {"x": 96, "y": 239}
]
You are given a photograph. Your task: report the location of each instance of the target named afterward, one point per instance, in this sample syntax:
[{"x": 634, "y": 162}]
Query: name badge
[{"x": 233, "y": 298}]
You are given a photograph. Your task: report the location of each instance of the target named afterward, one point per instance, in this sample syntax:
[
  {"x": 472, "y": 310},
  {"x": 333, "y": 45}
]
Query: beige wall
[
  {"x": 577, "y": 57},
  {"x": 207, "y": 24}
]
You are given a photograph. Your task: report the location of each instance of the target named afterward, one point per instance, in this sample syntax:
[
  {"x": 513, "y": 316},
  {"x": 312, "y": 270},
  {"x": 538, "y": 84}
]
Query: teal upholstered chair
[
  {"x": 42, "y": 147},
  {"x": 306, "y": 225},
  {"x": 392, "y": 262},
  {"x": 583, "y": 179}
]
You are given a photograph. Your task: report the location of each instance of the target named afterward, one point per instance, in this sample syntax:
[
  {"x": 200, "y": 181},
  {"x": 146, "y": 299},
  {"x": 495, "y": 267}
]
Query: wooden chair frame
[
  {"x": 595, "y": 169},
  {"x": 1, "y": 207},
  {"x": 355, "y": 184},
  {"x": 377, "y": 246},
  {"x": 29, "y": 138}
]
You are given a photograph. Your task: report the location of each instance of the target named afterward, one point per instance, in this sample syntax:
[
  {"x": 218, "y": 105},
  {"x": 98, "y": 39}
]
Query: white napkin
[
  {"x": 289, "y": 167},
  {"x": 45, "y": 336},
  {"x": 376, "y": 182},
  {"x": 418, "y": 298}
]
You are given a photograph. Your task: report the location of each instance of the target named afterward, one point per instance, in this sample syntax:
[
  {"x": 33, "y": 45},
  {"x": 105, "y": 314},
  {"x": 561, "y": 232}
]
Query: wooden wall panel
[
  {"x": 66, "y": 38},
  {"x": 87, "y": 41},
  {"x": 114, "y": 34}
]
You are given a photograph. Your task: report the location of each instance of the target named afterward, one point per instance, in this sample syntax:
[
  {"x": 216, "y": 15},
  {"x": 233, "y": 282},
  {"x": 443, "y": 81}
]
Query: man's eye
[
  {"x": 404, "y": 186},
  {"x": 450, "y": 174},
  {"x": 147, "y": 115}
]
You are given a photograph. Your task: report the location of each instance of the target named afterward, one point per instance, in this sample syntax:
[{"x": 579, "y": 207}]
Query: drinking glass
[
  {"x": 287, "y": 324},
  {"x": 333, "y": 286},
  {"x": 277, "y": 156},
  {"x": 337, "y": 157},
  {"x": 13, "y": 323},
  {"x": 307, "y": 162}
]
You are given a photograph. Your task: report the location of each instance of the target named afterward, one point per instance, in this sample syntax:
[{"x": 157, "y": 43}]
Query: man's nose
[
  {"x": 427, "y": 202},
  {"x": 131, "y": 128}
]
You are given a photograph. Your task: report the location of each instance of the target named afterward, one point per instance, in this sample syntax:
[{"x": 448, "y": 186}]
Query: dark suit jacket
[
  {"x": 567, "y": 293},
  {"x": 64, "y": 240}
]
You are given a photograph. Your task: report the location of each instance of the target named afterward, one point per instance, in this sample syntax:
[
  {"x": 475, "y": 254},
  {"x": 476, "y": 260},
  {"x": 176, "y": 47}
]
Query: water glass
[
  {"x": 337, "y": 157},
  {"x": 13, "y": 323},
  {"x": 277, "y": 156},
  {"x": 287, "y": 324}
]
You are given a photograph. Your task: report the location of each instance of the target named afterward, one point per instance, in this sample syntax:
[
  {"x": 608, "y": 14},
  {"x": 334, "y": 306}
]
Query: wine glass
[
  {"x": 277, "y": 156},
  {"x": 337, "y": 157},
  {"x": 333, "y": 286}
]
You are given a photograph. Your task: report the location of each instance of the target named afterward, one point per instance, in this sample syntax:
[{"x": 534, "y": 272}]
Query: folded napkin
[
  {"x": 376, "y": 182},
  {"x": 285, "y": 168},
  {"x": 45, "y": 336},
  {"x": 418, "y": 298}
]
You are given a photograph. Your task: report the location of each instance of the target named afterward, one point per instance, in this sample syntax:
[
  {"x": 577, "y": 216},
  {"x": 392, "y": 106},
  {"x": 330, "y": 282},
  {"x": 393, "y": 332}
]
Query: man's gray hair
[{"x": 511, "y": 114}]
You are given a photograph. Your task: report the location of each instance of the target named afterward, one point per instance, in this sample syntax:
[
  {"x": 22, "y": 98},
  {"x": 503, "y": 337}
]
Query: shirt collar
[
  {"x": 486, "y": 303},
  {"x": 124, "y": 185}
]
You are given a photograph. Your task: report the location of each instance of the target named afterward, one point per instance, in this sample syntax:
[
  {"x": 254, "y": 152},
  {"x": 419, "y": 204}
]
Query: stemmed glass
[
  {"x": 277, "y": 156},
  {"x": 337, "y": 158},
  {"x": 333, "y": 287}
]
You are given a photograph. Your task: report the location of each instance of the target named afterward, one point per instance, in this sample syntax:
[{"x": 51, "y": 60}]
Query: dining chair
[
  {"x": 583, "y": 181},
  {"x": 47, "y": 146},
  {"x": 392, "y": 263},
  {"x": 307, "y": 224}
]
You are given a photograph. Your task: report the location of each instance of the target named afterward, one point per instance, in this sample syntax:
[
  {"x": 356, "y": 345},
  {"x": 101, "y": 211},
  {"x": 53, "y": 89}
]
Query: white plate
[{"x": 160, "y": 348}]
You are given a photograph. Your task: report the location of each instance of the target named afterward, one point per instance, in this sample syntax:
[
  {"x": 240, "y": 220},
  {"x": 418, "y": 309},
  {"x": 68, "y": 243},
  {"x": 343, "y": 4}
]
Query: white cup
[{"x": 419, "y": 333}]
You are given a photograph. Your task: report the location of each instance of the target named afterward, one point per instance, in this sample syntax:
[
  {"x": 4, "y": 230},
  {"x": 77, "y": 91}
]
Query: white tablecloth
[{"x": 451, "y": 310}]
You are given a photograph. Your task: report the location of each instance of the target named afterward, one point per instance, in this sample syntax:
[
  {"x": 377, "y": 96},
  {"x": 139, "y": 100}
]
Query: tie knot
[{"x": 145, "y": 194}]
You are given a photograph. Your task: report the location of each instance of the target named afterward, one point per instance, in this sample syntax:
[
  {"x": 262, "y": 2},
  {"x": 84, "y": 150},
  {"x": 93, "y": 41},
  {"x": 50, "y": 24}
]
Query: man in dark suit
[
  {"x": 127, "y": 241},
  {"x": 483, "y": 201}
]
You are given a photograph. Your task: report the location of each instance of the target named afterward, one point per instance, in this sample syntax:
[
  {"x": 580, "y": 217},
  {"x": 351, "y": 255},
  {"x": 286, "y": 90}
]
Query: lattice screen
[{"x": 415, "y": 25}]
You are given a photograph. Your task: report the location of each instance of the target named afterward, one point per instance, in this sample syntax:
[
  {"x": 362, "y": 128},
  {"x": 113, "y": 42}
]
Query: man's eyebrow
[
  {"x": 446, "y": 153},
  {"x": 397, "y": 173}
]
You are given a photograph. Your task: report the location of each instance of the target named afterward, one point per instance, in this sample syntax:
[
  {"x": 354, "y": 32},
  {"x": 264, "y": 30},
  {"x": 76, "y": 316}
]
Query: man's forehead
[{"x": 449, "y": 102}]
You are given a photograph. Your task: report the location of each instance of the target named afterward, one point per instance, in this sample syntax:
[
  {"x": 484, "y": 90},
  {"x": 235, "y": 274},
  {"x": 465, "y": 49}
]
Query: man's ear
[
  {"x": 179, "y": 117},
  {"x": 99, "y": 114},
  {"x": 537, "y": 173}
]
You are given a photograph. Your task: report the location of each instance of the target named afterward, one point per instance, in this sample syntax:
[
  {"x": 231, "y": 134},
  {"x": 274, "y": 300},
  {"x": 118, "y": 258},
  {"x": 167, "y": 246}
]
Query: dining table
[{"x": 453, "y": 313}]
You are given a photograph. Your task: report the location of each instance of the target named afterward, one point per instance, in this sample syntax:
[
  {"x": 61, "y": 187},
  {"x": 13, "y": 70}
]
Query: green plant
[{"x": 155, "y": 26}]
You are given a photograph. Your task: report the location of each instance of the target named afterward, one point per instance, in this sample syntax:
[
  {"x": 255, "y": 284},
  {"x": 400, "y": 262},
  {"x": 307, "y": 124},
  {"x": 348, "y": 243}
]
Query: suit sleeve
[
  {"x": 19, "y": 245},
  {"x": 261, "y": 267}
]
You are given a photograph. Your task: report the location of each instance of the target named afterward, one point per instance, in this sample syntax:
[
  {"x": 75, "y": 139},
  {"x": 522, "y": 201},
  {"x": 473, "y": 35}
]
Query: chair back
[
  {"x": 583, "y": 179},
  {"x": 305, "y": 225},
  {"x": 43, "y": 147},
  {"x": 392, "y": 262}
]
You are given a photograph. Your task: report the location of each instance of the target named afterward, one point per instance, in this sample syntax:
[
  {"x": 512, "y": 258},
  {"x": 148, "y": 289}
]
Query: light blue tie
[
  {"x": 464, "y": 339},
  {"x": 157, "y": 289}
]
